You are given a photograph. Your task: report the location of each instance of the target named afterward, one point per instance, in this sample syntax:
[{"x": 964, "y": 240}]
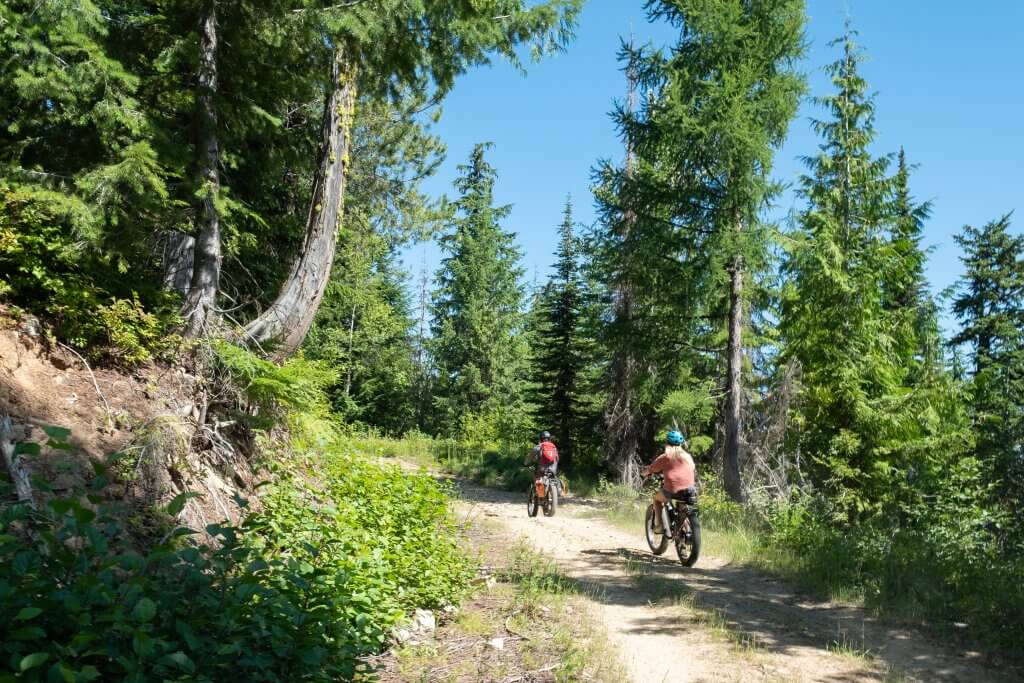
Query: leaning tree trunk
[
  {"x": 286, "y": 322},
  {"x": 199, "y": 309},
  {"x": 734, "y": 386}
]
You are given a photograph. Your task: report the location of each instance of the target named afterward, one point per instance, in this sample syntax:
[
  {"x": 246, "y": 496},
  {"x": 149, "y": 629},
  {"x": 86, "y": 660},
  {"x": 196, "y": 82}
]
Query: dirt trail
[{"x": 774, "y": 635}]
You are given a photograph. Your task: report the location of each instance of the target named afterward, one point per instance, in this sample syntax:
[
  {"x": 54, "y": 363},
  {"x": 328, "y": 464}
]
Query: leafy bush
[
  {"x": 54, "y": 273},
  {"x": 299, "y": 591},
  {"x": 135, "y": 335}
]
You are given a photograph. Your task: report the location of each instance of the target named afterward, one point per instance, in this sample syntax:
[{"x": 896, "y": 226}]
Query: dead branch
[{"x": 95, "y": 384}]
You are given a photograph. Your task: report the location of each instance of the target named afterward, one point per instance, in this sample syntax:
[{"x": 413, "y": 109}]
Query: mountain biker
[
  {"x": 676, "y": 465},
  {"x": 544, "y": 454}
]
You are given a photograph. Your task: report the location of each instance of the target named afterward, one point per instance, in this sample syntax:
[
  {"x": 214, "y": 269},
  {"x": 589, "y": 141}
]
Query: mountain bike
[
  {"x": 679, "y": 524},
  {"x": 544, "y": 494}
]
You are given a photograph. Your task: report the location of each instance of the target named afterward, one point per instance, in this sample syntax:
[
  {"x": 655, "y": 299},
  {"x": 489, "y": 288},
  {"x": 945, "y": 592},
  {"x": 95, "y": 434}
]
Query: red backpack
[{"x": 548, "y": 453}]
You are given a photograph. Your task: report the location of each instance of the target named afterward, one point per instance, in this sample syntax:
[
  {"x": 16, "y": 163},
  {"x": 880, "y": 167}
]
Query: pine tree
[
  {"x": 557, "y": 354},
  {"x": 990, "y": 306},
  {"x": 613, "y": 249},
  {"x": 364, "y": 329},
  {"x": 477, "y": 309}
]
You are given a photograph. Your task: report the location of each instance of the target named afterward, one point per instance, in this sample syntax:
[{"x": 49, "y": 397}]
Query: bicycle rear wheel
[
  {"x": 688, "y": 540},
  {"x": 551, "y": 503}
]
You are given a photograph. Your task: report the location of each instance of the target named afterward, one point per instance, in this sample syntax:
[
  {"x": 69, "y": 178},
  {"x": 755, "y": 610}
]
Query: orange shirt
[{"x": 677, "y": 467}]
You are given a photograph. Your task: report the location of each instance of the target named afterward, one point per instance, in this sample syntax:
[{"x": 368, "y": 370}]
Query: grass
[{"x": 539, "y": 615}]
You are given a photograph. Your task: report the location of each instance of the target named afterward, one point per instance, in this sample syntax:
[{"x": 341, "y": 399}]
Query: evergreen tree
[
  {"x": 849, "y": 308},
  {"x": 613, "y": 249},
  {"x": 477, "y": 308},
  {"x": 990, "y": 306},
  {"x": 82, "y": 182},
  {"x": 364, "y": 329},
  {"x": 905, "y": 295},
  {"x": 556, "y": 346},
  {"x": 723, "y": 97}
]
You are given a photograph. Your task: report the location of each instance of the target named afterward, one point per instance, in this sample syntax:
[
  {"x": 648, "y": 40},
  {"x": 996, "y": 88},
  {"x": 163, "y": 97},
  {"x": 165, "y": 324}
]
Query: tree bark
[
  {"x": 178, "y": 251},
  {"x": 621, "y": 414},
  {"x": 734, "y": 384},
  {"x": 199, "y": 310},
  {"x": 289, "y": 318}
]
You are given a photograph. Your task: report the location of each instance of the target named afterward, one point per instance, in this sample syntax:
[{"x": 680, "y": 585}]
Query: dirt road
[{"x": 716, "y": 621}]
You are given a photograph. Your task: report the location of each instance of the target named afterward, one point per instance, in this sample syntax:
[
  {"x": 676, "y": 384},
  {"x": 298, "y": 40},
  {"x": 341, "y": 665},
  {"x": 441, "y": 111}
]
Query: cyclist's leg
[{"x": 659, "y": 500}]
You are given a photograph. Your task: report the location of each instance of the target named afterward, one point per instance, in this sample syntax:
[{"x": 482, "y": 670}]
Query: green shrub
[
  {"x": 110, "y": 308},
  {"x": 299, "y": 591},
  {"x": 497, "y": 465},
  {"x": 134, "y": 334},
  {"x": 943, "y": 563},
  {"x": 293, "y": 392}
]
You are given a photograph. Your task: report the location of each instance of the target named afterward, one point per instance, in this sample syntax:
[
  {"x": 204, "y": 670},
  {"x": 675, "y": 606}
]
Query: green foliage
[
  {"x": 293, "y": 392},
  {"x": 134, "y": 334},
  {"x": 49, "y": 271},
  {"x": 942, "y": 564},
  {"x": 873, "y": 400},
  {"x": 990, "y": 306},
  {"x": 559, "y": 348},
  {"x": 299, "y": 591},
  {"x": 363, "y": 329},
  {"x": 689, "y": 408},
  {"x": 479, "y": 353}
]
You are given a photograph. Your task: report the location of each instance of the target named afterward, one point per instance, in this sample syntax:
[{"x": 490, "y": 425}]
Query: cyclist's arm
[{"x": 657, "y": 466}]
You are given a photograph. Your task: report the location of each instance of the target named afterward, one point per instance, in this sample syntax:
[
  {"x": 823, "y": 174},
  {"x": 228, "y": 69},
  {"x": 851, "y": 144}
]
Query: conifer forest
[{"x": 244, "y": 431}]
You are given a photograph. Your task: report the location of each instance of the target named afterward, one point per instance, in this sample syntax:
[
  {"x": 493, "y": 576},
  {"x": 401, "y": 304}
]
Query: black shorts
[{"x": 687, "y": 495}]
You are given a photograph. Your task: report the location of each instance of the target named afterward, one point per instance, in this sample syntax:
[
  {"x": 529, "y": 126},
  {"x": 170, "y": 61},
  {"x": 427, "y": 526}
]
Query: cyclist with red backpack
[{"x": 544, "y": 454}]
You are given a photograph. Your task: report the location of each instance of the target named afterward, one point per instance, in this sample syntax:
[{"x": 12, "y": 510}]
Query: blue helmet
[{"x": 674, "y": 438}]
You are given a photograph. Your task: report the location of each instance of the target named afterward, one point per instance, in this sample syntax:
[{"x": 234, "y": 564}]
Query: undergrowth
[{"x": 339, "y": 550}]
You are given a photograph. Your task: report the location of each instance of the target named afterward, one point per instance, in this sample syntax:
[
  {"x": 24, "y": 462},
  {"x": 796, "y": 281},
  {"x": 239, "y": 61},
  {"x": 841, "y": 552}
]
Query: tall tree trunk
[
  {"x": 199, "y": 310},
  {"x": 734, "y": 384},
  {"x": 289, "y": 318},
  {"x": 622, "y": 426},
  {"x": 621, "y": 414}
]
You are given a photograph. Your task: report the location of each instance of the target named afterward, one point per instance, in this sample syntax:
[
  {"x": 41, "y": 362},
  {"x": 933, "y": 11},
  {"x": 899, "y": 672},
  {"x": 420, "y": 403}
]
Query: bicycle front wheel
[{"x": 657, "y": 542}]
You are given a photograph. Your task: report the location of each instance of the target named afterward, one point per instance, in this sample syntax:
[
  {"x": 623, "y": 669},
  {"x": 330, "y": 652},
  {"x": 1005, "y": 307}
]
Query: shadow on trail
[{"x": 757, "y": 611}]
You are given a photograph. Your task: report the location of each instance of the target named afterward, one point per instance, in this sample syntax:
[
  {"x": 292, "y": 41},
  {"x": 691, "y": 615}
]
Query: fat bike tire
[{"x": 657, "y": 542}]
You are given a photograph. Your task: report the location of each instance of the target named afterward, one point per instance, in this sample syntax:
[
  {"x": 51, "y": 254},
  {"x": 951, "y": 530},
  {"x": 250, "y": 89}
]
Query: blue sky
[{"x": 949, "y": 79}]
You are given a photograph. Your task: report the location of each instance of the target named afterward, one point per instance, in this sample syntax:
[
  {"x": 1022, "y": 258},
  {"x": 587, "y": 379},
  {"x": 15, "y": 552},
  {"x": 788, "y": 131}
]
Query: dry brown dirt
[
  {"x": 149, "y": 413},
  {"x": 718, "y": 621}
]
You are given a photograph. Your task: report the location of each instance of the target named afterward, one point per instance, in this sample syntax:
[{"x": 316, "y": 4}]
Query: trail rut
[{"x": 718, "y": 621}]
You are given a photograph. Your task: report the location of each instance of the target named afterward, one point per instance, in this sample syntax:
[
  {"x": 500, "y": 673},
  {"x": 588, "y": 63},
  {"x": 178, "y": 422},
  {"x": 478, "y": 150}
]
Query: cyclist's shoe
[{"x": 658, "y": 528}]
